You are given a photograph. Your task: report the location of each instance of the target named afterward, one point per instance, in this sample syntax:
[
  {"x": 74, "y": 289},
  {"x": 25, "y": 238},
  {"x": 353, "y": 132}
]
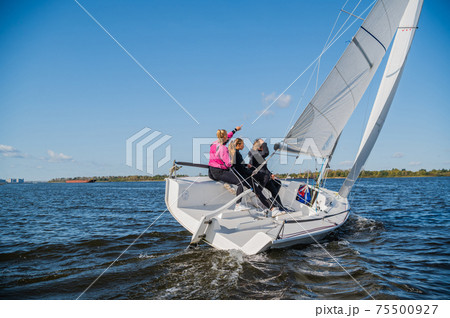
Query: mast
[{"x": 386, "y": 91}]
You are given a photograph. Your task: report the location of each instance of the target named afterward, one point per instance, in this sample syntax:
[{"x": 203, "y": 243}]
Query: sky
[{"x": 80, "y": 78}]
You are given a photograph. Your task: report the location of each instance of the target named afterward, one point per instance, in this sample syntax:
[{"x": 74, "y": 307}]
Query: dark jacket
[
  {"x": 241, "y": 166},
  {"x": 257, "y": 157}
]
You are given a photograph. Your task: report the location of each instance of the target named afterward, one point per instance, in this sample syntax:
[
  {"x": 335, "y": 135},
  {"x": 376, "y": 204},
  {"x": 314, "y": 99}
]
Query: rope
[
  {"x": 313, "y": 62},
  {"x": 137, "y": 238},
  {"x": 326, "y": 251}
]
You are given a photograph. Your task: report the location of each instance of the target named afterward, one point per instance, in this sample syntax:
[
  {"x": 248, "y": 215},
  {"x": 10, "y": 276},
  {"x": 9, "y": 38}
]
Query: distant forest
[
  {"x": 117, "y": 178},
  {"x": 393, "y": 173}
]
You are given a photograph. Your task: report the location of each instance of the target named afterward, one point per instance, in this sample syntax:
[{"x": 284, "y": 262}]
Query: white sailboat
[{"x": 206, "y": 208}]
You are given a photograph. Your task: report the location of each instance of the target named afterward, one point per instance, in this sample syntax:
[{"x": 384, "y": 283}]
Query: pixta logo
[{"x": 141, "y": 148}]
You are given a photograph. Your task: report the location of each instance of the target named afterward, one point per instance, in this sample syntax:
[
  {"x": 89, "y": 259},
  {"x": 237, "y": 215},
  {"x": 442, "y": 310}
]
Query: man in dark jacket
[{"x": 257, "y": 155}]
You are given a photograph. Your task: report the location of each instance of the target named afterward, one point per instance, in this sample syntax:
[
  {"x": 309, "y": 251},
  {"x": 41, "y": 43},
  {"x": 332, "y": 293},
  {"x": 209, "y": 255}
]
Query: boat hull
[
  {"x": 206, "y": 209},
  {"x": 80, "y": 181}
]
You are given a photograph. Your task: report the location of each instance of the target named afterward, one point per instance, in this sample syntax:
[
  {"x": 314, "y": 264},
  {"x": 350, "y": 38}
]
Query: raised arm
[{"x": 231, "y": 133}]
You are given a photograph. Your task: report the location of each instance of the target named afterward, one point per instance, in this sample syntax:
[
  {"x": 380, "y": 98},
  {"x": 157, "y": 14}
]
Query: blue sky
[{"x": 70, "y": 96}]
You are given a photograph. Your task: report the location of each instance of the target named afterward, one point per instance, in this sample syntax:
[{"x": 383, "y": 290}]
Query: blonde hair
[
  {"x": 232, "y": 149},
  {"x": 222, "y": 135},
  {"x": 257, "y": 144}
]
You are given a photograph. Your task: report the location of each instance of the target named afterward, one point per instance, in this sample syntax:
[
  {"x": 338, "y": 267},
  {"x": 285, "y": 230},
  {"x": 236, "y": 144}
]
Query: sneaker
[
  {"x": 241, "y": 207},
  {"x": 275, "y": 211}
]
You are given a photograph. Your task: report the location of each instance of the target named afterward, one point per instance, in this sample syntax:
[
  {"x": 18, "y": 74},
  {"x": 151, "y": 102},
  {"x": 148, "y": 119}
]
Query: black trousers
[
  {"x": 264, "y": 179},
  {"x": 257, "y": 188},
  {"x": 232, "y": 177},
  {"x": 274, "y": 187}
]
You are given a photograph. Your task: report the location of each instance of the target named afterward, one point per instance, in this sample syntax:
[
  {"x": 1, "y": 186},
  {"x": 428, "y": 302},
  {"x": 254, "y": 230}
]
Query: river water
[{"x": 57, "y": 239}]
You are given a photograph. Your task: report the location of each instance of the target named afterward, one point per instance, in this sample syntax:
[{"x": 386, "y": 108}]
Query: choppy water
[{"x": 56, "y": 239}]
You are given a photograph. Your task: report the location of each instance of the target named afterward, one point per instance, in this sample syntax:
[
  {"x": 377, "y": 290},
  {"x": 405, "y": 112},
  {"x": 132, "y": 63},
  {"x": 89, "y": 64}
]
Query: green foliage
[
  {"x": 118, "y": 178},
  {"x": 393, "y": 173}
]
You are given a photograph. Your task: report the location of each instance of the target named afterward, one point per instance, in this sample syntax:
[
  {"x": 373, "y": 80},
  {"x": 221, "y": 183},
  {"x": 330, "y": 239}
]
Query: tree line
[
  {"x": 393, "y": 173},
  {"x": 136, "y": 178},
  {"x": 308, "y": 174}
]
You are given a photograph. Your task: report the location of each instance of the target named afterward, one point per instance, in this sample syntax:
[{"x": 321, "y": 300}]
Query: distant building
[
  {"x": 2, "y": 181},
  {"x": 13, "y": 180}
]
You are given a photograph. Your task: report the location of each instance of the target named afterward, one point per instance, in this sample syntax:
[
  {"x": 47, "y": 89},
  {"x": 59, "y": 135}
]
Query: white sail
[
  {"x": 328, "y": 112},
  {"x": 386, "y": 92}
]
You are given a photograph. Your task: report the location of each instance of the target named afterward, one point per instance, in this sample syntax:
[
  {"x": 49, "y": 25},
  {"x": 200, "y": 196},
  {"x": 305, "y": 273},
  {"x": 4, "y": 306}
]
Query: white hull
[{"x": 206, "y": 209}]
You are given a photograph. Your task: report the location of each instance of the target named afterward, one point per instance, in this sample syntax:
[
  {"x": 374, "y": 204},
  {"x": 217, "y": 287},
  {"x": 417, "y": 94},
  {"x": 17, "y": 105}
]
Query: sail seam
[
  {"x": 346, "y": 84},
  {"x": 387, "y": 17},
  {"x": 332, "y": 126}
]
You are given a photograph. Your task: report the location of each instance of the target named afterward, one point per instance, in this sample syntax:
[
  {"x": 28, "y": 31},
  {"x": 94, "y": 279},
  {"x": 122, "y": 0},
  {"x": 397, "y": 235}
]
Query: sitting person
[
  {"x": 219, "y": 164},
  {"x": 257, "y": 155},
  {"x": 244, "y": 172}
]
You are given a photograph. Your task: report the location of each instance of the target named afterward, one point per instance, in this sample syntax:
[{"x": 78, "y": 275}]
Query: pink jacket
[{"x": 218, "y": 154}]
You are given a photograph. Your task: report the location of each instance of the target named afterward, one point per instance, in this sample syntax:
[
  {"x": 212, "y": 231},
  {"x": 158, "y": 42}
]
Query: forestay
[
  {"x": 320, "y": 125},
  {"x": 386, "y": 92}
]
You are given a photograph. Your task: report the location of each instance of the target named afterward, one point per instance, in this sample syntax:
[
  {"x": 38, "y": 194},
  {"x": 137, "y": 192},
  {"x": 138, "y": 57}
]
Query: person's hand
[
  {"x": 249, "y": 166},
  {"x": 239, "y": 127},
  {"x": 273, "y": 177}
]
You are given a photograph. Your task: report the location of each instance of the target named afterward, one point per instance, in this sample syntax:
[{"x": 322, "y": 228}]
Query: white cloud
[
  {"x": 9, "y": 151},
  {"x": 266, "y": 113},
  {"x": 283, "y": 101},
  {"x": 398, "y": 155},
  {"x": 58, "y": 157},
  {"x": 415, "y": 163},
  {"x": 5, "y": 148}
]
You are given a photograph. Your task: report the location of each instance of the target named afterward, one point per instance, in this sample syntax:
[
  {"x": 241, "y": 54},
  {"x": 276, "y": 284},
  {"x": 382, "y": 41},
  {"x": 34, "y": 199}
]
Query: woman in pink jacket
[{"x": 220, "y": 164}]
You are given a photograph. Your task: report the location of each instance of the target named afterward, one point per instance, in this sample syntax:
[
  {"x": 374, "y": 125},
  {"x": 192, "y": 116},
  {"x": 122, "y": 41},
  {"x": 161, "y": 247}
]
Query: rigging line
[
  {"x": 287, "y": 155},
  {"x": 309, "y": 66},
  {"x": 318, "y": 63},
  {"x": 348, "y": 18},
  {"x": 291, "y": 168},
  {"x": 353, "y": 15},
  {"x": 140, "y": 235},
  {"x": 138, "y": 64},
  {"x": 326, "y": 251},
  {"x": 335, "y": 67},
  {"x": 223, "y": 193},
  {"x": 254, "y": 181},
  {"x": 298, "y": 104},
  {"x": 328, "y": 40}
]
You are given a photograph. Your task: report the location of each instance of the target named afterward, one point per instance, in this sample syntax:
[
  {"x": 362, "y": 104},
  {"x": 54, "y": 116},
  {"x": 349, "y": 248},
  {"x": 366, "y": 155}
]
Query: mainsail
[
  {"x": 386, "y": 92},
  {"x": 320, "y": 125}
]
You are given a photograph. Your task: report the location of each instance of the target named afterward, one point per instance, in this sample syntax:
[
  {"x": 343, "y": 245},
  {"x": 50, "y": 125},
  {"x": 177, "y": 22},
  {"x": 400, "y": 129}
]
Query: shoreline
[{"x": 282, "y": 178}]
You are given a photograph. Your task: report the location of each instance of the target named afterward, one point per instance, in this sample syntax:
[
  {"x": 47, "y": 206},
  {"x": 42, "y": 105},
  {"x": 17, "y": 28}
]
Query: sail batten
[
  {"x": 326, "y": 115},
  {"x": 388, "y": 87}
]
